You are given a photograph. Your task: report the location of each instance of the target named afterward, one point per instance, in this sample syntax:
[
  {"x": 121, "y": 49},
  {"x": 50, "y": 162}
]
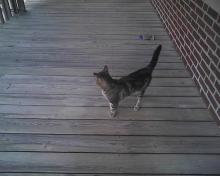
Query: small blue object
[{"x": 141, "y": 37}]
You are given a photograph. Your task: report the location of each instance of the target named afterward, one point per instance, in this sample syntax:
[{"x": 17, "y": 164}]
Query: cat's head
[{"x": 103, "y": 78}]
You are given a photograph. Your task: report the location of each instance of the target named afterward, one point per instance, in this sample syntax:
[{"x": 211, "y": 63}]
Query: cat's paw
[
  {"x": 137, "y": 108},
  {"x": 113, "y": 113}
]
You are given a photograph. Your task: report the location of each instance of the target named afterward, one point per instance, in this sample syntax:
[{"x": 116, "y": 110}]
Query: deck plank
[
  {"x": 109, "y": 144},
  {"x": 58, "y": 112},
  {"x": 108, "y": 127},
  {"x": 109, "y": 163}
]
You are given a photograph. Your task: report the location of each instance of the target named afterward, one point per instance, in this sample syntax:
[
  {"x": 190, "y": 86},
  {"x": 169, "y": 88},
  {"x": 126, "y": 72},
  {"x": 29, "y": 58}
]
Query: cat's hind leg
[{"x": 140, "y": 96}]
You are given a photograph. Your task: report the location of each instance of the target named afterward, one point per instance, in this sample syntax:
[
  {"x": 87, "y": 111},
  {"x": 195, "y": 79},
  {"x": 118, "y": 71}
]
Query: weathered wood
[
  {"x": 109, "y": 144},
  {"x": 91, "y": 90},
  {"x": 56, "y": 112},
  {"x": 86, "y": 81},
  {"x": 93, "y": 101},
  {"x": 109, "y": 163},
  {"x": 82, "y": 72},
  {"x": 108, "y": 127}
]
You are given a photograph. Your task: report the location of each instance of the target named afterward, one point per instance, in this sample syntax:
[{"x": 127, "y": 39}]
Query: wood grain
[
  {"x": 109, "y": 163},
  {"x": 53, "y": 119}
]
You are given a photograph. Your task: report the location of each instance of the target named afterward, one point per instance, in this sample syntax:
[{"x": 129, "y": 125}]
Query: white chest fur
[{"x": 103, "y": 93}]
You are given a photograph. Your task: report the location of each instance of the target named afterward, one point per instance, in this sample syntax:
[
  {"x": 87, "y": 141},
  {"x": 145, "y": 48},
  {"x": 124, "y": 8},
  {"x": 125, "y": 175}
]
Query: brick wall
[{"x": 194, "y": 27}]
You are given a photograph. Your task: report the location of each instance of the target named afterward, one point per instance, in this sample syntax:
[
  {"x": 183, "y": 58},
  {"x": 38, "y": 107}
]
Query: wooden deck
[{"x": 54, "y": 120}]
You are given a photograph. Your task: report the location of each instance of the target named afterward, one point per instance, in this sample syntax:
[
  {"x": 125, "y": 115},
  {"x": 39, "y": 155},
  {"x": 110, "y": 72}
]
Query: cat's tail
[{"x": 155, "y": 58}]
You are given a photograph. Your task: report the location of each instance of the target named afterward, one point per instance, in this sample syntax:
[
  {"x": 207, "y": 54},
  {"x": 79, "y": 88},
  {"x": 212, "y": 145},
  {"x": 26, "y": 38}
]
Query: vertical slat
[
  {"x": 21, "y": 6},
  {"x": 2, "y": 20},
  {"x": 14, "y": 6},
  {"x": 7, "y": 8}
]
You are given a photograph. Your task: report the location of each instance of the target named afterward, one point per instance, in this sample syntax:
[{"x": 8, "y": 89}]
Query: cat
[{"x": 115, "y": 90}]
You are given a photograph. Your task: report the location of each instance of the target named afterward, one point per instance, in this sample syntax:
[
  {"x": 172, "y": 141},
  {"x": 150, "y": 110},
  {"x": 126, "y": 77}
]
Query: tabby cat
[{"x": 115, "y": 90}]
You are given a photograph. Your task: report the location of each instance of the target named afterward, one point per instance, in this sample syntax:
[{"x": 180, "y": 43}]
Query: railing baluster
[
  {"x": 21, "y": 6},
  {"x": 7, "y": 8},
  {"x": 10, "y": 8},
  {"x": 14, "y": 6},
  {"x": 2, "y": 20}
]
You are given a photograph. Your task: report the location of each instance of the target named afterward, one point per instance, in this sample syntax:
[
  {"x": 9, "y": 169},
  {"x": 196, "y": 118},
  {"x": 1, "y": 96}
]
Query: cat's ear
[
  {"x": 95, "y": 74},
  {"x": 105, "y": 68}
]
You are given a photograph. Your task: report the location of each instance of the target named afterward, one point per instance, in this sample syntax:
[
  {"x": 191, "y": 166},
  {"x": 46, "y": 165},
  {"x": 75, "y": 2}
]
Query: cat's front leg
[
  {"x": 138, "y": 104},
  {"x": 113, "y": 109}
]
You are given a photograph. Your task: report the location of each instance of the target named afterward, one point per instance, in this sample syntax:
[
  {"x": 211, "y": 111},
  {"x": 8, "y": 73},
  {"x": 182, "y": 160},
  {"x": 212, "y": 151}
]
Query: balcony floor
[{"x": 54, "y": 120}]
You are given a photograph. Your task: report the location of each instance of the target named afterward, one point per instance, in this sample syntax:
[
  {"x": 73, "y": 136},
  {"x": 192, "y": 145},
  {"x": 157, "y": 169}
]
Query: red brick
[
  {"x": 178, "y": 42},
  {"x": 217, "y": 97},
  {"x": 216, "y": 71},
  {"x": 217, "y": 40},
  {"x": 193, "y": 15},
  {"x": 184, "y": 29},
  {"x": 211, "y": 43},
  {"x": 181, "y": 39},
  {"x": 205, "y": 68},
  {"x": 203, "y": 45},
  {"x": 183, "y": 18},
  {"x": 195, "y": 72},
  {"x": 188, "y": 17},
  {"x": 208, "y": 20},
  {"x": 201, "y": 71},
  {"x": 201, "y": 23},
  {"x": 197, "y": 83},
  {"x": 218, "y": 113},
  {"x": 218, "y": 19},
  {"x": 216, "y": 28},
  {"x": 190, "y": 36},
  {"x": 205, "y": 98},
  {"x": 199, "y": 2},
  {"x": 212, "y": 100},
  {"x": 188, "y": 60},
  {"x": 218, "y": 52},
  {"x": 187, "y": 41},
  {"x": 193, "y": 59},
  {"x": 214, "y": 115},
  {"x": 199, "y": 12},
  {"x": 196, "y": 36},
  {"x": 210, "y": 32},
  {"x": 202, "y": 34},
  {"x": 213, "y": 57},
  {"x": 196, "y": 54},
  {"x": 178, "y": 5},
  {"x": 197, "y": 46},
  {"x": 205, "y": 58},
  {"x": 192, "y": 5},
  {"x": 187, "y": 1},
  {"x": 203, "y": 85},
  {"x": 217, "y": 85},
  {"x": 212, "y": 13},
  {"x": 205, "y": 7},
  {"x": 179, "y": 21},
  {"x": 212, "y": 78},
  {"x": 183, "y": 51},
  {"x": 209, "y": 84},
  {"x": 187, "y": 8}
]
